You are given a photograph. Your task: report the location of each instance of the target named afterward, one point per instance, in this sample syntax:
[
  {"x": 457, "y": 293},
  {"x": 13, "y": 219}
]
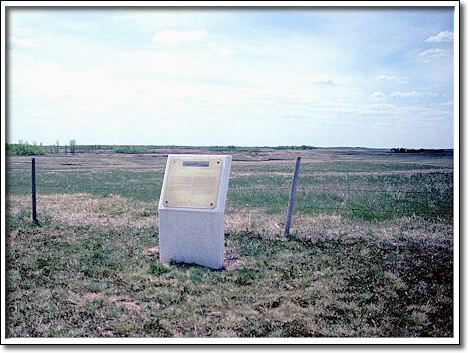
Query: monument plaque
[
  {"x": 193, "y": 183},
  {"x": 191, "y": 209}
]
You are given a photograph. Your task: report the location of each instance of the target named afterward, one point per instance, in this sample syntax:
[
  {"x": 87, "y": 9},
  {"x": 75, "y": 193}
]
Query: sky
[{"x": 320, "y": 76}]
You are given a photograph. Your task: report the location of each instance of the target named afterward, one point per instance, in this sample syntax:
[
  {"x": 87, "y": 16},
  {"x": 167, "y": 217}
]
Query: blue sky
[{"x": 370, "y": 77}]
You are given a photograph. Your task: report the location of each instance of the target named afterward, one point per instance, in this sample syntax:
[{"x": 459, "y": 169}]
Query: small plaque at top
[{"x": 192, "y": 182}]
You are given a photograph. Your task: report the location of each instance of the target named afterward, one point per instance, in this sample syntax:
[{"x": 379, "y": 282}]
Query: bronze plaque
[{"x": 193, "y": 182}]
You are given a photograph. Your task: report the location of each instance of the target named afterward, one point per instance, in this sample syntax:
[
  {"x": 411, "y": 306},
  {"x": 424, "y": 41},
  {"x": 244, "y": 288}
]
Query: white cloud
[
  {"x": 171, "y": 37},
  {"x": 410, "y": 94},
  {"x": 348, "y": 110},
  {"x": 251, "y": 75},
  {"x": 323, "y": 80},
  {"x": 382, "y": 106},
  {"x": 444, "y": 36},
  {"x": 226, "y": 51},
  {"x": 433, "y": 53},
  {"x": 448, "y": 103},
  {"x": 392, "y": 78},
  {"x": 149, "y": 20},
  {"x": 326, "y": 82},
  {"x": 31, "y": 43},
  {"x": 378, "y": 95},
  {"x": 385, "y": 125}
]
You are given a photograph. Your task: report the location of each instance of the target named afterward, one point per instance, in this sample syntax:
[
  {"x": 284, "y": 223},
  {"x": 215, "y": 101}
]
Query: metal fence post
[
  {"x": 33, "y": 191},
  {"x": 292, "y": 195}
]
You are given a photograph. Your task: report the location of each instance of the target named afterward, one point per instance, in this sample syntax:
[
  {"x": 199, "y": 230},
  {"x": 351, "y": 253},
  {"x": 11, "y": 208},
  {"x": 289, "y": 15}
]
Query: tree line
[
  {"x": 25, "y": 149},
  {"x": 421, "y": 150}
]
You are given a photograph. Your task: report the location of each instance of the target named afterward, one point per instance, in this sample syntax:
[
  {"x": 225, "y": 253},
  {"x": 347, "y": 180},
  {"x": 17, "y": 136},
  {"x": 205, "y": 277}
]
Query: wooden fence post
[
  {"x": 33, "y": 191},
  {"x": 292, "y": 195}
]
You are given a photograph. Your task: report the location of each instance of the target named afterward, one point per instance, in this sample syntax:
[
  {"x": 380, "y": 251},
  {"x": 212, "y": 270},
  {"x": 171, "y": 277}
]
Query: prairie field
[{"x": 370, "y": 253}]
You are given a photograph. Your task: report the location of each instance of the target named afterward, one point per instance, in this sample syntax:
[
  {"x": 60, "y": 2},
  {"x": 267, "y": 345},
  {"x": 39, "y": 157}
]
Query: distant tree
[
  {"x": 72, "y": 146},
  {"x": 23, "y": 150}
]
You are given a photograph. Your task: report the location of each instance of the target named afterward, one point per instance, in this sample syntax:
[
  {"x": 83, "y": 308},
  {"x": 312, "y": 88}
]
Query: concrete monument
[{"x": 191, "y": 209}]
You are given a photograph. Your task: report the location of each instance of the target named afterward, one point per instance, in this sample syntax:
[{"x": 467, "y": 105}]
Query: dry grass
[
  {"x": 336, "y": 226},
  {"x": 83, "y": 210},
  {"x": 92, "y": 269},
  {"x": 117, "y": 212}
]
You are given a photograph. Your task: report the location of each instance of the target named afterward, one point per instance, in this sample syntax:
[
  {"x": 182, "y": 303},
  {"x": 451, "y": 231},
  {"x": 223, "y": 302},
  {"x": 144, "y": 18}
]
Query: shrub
[
  {"x": 23, "y": 150},
  {"x": 129, "y": 149}
]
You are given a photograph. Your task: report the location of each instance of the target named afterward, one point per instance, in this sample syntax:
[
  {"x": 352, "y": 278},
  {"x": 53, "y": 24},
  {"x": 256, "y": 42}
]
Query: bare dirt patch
[
  {"x": 154, "y": 250},
  {"x": 232, "y": 259}
]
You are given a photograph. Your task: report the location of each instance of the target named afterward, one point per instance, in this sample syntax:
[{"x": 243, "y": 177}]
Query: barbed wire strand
[{"x": 231, "y": 189}]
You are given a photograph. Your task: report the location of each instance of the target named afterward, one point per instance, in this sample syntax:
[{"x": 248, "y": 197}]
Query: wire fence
[
  {"x": 428, "y": 193},
  {"x": 301, "y": 189},
  {"x": 233, "y": 189}
]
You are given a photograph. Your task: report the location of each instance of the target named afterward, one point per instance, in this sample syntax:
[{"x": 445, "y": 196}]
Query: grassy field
[{"x": 370, "y": 252}]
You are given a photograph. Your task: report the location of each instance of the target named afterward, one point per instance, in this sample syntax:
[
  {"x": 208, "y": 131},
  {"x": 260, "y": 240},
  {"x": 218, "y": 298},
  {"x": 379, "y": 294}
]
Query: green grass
[
  {"x": 91, "y": 281},
  {"x": 370, "y": 197},
  {"x": 370, "y": 252},
  {"x": 140, "y": 185},
  {"x": 378, "y": 197},
  {"x": 375, "y": 182}
]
